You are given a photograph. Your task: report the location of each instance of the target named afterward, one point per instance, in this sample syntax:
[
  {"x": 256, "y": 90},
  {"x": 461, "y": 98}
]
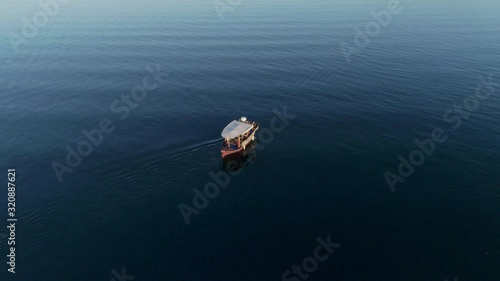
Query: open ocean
[{"x": 320, "y": 175}]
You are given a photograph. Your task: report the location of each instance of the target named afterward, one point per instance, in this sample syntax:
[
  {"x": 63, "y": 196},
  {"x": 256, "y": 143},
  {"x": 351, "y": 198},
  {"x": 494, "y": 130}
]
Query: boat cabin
[{"x": 237, "y": 135}]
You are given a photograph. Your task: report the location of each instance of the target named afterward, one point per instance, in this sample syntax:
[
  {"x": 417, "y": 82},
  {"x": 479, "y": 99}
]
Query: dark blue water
[{"x": 323, "y": 174}]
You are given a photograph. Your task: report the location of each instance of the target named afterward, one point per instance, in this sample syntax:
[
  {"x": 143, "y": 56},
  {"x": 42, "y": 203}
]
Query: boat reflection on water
[{"x": 235, "y": 162}]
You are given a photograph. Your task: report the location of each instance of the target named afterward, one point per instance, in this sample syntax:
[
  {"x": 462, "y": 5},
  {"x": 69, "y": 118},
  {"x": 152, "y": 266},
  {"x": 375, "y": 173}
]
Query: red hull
[{"x": 226, "y": 152}]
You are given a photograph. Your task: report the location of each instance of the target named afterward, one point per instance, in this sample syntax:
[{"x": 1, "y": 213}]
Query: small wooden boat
[
  {"x": 238, "y": 161},
  {"x": 237, "y": 135}
]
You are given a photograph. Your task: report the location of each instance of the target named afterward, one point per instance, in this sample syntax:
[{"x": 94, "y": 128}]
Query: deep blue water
[{"x": 322, "y": 175}]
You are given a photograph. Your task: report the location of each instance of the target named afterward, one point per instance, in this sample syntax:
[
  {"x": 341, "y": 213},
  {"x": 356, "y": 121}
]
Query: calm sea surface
[{"x": 322, "y": 175}]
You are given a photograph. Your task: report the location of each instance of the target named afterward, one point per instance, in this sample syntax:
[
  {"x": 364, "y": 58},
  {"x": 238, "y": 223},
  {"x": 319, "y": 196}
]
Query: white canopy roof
[{"x": 235, "y": 129}]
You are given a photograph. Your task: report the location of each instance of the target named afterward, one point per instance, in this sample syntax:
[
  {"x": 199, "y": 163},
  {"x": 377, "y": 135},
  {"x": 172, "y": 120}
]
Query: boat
[
  {"x": 238, "y": 161},
  {"x": 237, "y": 135}
]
